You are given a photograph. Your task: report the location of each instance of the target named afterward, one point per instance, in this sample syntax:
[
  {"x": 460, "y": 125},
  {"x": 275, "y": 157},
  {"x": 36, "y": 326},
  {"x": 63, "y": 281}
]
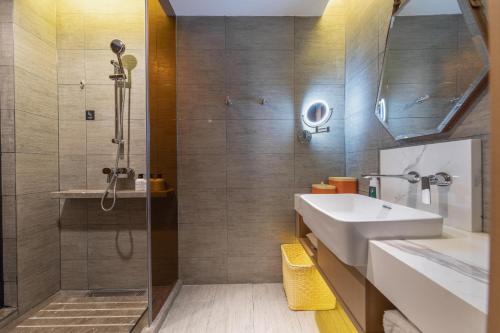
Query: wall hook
[
  {"x": 263, "y": 101},
  {"x": 228, "y": 101},
  {"x": 82, "y": 84}
]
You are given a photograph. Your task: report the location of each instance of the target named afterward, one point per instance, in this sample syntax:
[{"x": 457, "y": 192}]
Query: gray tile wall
[
  {"x": 29, "y": 151},
  {"x": 239, "y": 166},
  {"x": 366, "y": 31},
  {"x": 98, "y": 249},
  {"x": 7, "y": 88}
]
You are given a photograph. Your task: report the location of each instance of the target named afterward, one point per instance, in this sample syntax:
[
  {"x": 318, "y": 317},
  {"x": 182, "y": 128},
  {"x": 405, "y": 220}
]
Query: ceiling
[
  {"x": 430, "y": 7},
  {"x": 249, "y": 7}
]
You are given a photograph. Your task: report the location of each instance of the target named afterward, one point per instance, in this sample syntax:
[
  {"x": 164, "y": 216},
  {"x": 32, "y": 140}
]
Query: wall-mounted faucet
[{"x": 412, "y": 177}]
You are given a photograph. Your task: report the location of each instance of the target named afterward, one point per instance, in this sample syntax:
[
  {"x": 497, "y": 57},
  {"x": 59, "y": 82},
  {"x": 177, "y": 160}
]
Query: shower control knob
[{"x": 106, "y": 171}]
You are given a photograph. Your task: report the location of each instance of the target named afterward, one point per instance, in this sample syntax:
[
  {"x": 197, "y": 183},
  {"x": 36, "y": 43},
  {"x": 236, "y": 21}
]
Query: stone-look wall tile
[
  {"x": 315, "y": 168},
  {"x": 70, "y": 31},
  {"x": 8, "y": 216},
  {"x": 70, "y": 66},
  {"x": 202, "y": 171},
  {"x": 260, "y": 33},
  {"x": 100, "y": 133},
  {"x": 210, "y": 137},
  {"x": 260, "y": 136},
  {"x": 73, "y": 212},
  {"x": 260, "y": 170},
  {"x": 72, "y": 172},
  {"x": 127, "y": 213},
  {"x": 201, "y": 33},
  {"x": 72, "y": 137},
  {"x": 38, "y": 17},
  {"x": 35, "y": 95},
  {"x": 202, "y": 206},
  {"x": 273, "y": 67},
  {"x": 101, "y": 99},
  {"x": 201, "y": 102},
  {"x": 320, "y": 33},
  {"x": 74, "y": 275},
  {"x": 244, "y": 195},
  {"x": 9, "y": 259},
  {"x": 71, "y": 102},
  {"x": 117, "y": 242},
  {"x": 100, "y": 29},
  {"x": 6, "y": 11},
  {"x": 200, "y": 67},
  {"x": 114, "y": 274},
  {"x": 7, "y": 85},
  {"x": 10, "y": 294},
  {"x": 202, "y": 241},
  {"x": 247, "y": 102},
  {"x": 8, "y": 173},
  {"x": 246, "y": 206},
  {"x": 7, "y": 129},
  {"x": 259, "y": 239},
  {"x": 34, "y": 55},
  {"x": 203, "y": 270},
  {"x": 7, "y": 43},
  {"x": 254, "y": 269},
  {"x": 319, "y": 66},
  {"x": 74, "y": 242},
  {"x": 36, "y": 213},
  {"x": 38, "y": 266},
  {"x": 35, "y": 134},
  {"x": 36, "y": 173}
]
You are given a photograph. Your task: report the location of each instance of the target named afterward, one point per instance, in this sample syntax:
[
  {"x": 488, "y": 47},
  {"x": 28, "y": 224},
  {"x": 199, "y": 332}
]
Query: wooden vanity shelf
[{"x": 363, "y": 303}]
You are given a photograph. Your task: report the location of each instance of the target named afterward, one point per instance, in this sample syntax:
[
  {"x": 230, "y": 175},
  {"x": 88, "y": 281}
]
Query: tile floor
[
  {"x": 79, "y": 313},
  {"x": 237, "y": 308}
]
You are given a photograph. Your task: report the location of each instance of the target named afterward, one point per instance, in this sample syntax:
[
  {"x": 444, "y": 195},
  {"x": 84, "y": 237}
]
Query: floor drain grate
[{"x": 115, "y": 293}]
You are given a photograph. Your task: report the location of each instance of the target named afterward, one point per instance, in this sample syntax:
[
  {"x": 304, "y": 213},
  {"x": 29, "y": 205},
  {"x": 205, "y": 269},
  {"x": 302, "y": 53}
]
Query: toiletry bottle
[
  {"x": 373, "y": 189},
  {"x": 140, "y": 183}
]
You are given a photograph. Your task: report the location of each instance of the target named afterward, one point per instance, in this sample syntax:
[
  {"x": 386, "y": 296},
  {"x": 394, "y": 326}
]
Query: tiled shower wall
[
  {"x": 29, "y": 151},
  {"x": 98, "y": 249},
  {"x": 240, "y": 165},
  {"x": 366, "y": 31}
]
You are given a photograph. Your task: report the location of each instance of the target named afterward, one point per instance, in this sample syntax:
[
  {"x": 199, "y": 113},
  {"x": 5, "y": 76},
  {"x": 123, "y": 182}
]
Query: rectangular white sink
[{"x": 346, "y": 222}]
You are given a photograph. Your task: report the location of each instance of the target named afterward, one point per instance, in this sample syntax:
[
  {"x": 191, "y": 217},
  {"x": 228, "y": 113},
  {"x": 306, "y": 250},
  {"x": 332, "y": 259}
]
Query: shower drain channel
[{"x": 116, "y": 293}]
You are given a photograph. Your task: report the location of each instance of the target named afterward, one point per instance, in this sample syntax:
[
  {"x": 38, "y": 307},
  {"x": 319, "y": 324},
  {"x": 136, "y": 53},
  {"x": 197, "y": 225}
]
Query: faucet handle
[
  {"x": 440, "y": 179},
  {"x": 426, "y": 190}
]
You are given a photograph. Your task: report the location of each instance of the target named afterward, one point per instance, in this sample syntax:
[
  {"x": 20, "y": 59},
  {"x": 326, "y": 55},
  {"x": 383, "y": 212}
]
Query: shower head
[{"x": 118, "y": 47}]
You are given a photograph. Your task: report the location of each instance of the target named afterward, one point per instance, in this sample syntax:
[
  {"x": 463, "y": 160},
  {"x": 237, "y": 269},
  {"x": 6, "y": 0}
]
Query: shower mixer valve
[{"x": 119, "y": 172}]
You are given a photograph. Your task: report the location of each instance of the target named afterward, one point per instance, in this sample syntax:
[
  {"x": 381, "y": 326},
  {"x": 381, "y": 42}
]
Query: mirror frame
[{"x": 476, "y": 21}]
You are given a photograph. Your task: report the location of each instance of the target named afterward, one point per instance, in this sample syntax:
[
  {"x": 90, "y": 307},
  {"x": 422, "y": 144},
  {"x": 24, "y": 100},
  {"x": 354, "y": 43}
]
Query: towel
[{"x": 395, "y": 322}]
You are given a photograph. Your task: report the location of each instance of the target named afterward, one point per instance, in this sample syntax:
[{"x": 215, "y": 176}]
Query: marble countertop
[{"x": 455, "y": 266}]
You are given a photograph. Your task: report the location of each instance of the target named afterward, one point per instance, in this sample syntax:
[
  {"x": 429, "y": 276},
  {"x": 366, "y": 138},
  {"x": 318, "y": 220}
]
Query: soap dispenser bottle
[
  {"x": 373, "y": 190},
  {"x": 140, "y": 183}
]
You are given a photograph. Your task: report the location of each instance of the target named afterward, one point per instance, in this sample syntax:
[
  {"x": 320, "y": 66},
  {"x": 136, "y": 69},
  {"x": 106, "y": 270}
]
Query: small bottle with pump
[
  {"x": 373, "y": 190},
  {"x": 140, "y": 183}
]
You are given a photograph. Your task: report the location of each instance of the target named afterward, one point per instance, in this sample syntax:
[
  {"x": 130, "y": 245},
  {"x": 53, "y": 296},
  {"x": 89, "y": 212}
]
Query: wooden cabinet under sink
[{"x": 364, "y": 304}]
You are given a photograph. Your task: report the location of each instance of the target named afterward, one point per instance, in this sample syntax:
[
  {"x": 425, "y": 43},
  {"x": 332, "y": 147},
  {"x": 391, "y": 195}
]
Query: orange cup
[{"x": 344, "y": 184}]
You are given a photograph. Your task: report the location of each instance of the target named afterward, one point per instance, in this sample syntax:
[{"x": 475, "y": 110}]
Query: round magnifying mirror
[{"x": 316, "y": 114}]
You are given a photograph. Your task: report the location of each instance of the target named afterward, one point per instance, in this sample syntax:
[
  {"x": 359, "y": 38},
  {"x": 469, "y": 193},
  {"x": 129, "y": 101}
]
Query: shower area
[{"x": 83, "y": 115}]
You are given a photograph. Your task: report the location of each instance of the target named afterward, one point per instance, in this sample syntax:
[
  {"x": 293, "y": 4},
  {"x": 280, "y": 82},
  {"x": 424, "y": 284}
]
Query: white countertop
[{"x": 439, "y": 284}]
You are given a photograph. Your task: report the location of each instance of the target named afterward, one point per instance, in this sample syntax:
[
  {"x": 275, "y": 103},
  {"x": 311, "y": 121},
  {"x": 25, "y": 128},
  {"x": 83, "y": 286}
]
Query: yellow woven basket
[{"x": 304, "y": 286}]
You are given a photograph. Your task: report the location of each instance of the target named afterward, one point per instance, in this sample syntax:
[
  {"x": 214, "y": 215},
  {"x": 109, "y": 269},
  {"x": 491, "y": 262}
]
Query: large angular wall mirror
[{"x": 435, "y": 63}]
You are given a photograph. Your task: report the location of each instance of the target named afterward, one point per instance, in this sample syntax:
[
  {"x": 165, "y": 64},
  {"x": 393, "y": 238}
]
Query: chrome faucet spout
[{"x": 412, "y": 177}]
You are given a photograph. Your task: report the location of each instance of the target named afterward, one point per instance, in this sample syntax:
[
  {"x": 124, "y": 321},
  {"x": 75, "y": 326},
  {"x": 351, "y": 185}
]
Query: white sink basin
[{"x": 346, "y": 222}]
